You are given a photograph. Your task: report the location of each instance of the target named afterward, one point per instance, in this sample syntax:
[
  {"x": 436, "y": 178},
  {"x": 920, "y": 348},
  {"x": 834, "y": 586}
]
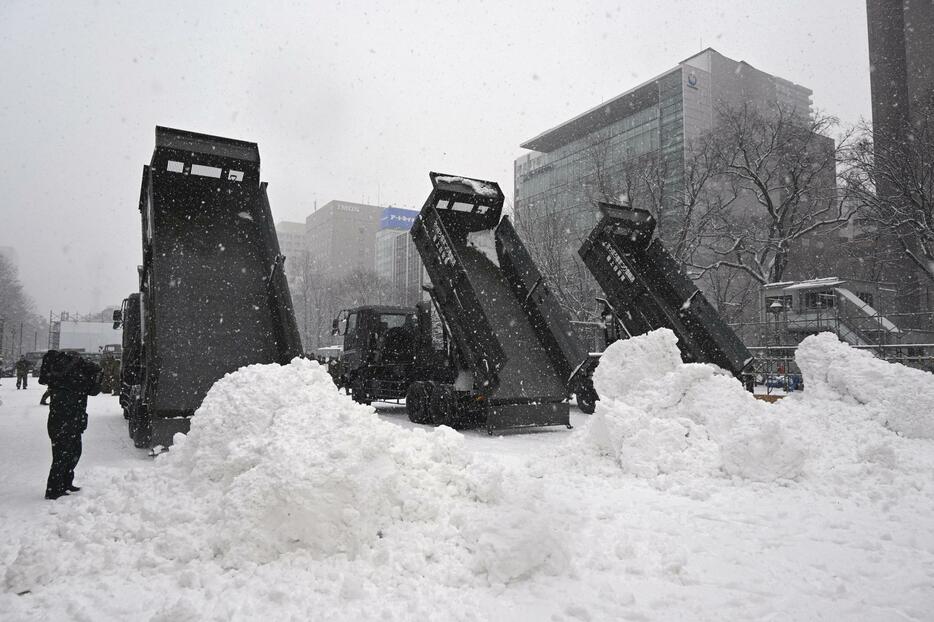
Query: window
[
  {"x": 235, "y": 175},
  {"x": 205, "y": 171},
  {"x": 351, "y": 323},
  {"x": 395, "y": 320},
  {"x": 819, "y": 300},
  {"x": 175, "y": 167}
]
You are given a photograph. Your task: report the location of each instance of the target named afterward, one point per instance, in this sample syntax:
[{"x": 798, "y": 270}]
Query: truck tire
[
  {"x": 443, "y": 405},
  {"x": 142, "y": 429},
  {"x": 360, "y": 395},
  {"x": 418, "y": 402},
  {"x": 587, "y": 402},
  {"x": 587, "y": 397}
]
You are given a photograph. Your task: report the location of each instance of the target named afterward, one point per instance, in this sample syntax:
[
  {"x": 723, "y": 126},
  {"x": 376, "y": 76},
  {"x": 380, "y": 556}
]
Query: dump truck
[
  {"x": 386, "y": 349},
  {"x": 212, "y": 292},
  {"x": 645, "y": 290},
  {"x": 515, "y": 354}
]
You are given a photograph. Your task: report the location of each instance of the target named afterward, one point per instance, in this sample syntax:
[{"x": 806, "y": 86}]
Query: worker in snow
[
  {"x": 22, "y": 372},
  {"x": 71, "y": 379},
  {"x": 110, "y": 367}
]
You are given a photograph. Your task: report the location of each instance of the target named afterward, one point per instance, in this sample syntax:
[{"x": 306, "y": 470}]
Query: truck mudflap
[{"x": 646, "y": 289}]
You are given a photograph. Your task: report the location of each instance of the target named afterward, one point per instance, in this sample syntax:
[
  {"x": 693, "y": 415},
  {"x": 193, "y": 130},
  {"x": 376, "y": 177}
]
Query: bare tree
[
  {"x": 552, "y": 241},
  {"x": 680, "y": 195},
  {"x": 16, "y": 309},
  {"x": 778, "y": 170},
  {"x": 892, "y": 178}
]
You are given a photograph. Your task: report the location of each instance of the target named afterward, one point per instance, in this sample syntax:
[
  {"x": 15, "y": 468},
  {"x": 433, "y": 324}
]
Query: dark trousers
[
  {"x": 21, "y": 379},
  {"x": 66, "y": 451}
]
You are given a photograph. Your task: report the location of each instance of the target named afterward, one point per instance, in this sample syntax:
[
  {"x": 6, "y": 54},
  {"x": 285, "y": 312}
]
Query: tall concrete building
[
  {"x": 397, "y": 260},
  {"x": 292, "y": 244},
  {"x": 901, "y": 60},
  {"x": 660, "y": 117},
  {"x": 340, "y": 237}
]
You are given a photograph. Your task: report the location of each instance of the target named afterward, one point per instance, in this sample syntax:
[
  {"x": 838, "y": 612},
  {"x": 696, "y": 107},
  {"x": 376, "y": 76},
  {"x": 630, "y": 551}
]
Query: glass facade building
[
  {"x": 398, "y": 263},
  {"x": 579, "y": 161}
]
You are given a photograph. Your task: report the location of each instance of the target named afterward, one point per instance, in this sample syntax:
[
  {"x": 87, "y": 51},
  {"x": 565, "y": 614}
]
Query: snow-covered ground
[{"x": 681, "y": 498}]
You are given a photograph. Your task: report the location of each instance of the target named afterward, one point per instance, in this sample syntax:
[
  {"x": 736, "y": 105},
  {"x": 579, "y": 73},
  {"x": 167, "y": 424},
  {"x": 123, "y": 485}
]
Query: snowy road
[
  {"x": 25, "y": 451},
  {"x": 320, "y": 510}
]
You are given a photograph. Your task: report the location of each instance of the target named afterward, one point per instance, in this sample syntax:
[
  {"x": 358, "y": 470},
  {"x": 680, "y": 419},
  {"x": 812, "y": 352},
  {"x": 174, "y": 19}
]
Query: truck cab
[{"x": 385, "y": 349}]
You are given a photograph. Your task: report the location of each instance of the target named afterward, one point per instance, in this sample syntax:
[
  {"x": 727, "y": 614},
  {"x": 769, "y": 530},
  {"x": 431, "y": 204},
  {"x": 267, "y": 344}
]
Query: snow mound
[
  {"x": 281, "y": 469},
  {"x": 477, "y": 186},
  {"x": 899, "y": 397},
  {"x": 658, "y": 416}
]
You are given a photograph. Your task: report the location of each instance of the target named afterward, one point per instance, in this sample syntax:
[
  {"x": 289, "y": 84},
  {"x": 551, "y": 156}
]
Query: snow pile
[
  {"x": 658, "y": 416},
  {"x": 478, "y": 187},
  {"x": 280, "y": 469},
  {"x": 896, "y": 396}
]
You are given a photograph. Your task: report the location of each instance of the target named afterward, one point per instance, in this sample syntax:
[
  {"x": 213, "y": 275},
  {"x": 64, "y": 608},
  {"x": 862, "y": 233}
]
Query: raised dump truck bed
[
  {"x": 213, "y": 293},
  {"x": 646, "y": 289},
  {"x": 516, "y": 354}
]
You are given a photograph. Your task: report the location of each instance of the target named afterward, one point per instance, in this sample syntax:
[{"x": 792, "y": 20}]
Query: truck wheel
[
  {"x": 360, "y": 395},
  {"x": 142, "y": 429},
  {"x": 587, "y": 397},
  {"x": 587, "y": 402},
  {"x": 443, "y": 405},
  {"x": 142, "y": 435},
  {"x": 418, "y": 402}
]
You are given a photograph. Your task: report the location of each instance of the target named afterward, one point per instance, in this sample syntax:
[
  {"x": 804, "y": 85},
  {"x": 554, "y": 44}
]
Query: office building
[
  {"x": 340, "y": 237},
  {"x": 292, "y": 244},
  {"x": 398, "y": 263},
  {"x": 901, "y": 60},
  {"x": 660, "y": 118}
]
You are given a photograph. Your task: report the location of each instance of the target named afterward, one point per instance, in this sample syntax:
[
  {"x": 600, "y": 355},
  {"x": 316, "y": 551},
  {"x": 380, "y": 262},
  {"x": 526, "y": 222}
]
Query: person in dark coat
[
  {"x": 22, "y": 372},
  {"x": 71, "y": 379}
]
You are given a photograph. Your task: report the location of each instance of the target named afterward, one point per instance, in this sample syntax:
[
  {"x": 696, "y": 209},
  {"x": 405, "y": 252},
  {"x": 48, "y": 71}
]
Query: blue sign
[{"x": 397, "y": 218}]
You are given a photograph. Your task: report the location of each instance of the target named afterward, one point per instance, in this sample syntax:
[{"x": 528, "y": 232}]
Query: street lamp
[{"x": 775, "y": 309}]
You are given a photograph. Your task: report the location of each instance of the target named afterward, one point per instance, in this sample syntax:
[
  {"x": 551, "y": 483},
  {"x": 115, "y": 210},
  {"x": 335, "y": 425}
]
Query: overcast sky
[{"x": 347, "y": 100}]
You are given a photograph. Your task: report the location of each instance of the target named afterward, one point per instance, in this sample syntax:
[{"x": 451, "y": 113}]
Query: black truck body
[
  {"x": 213, "y": 295},
  {"x": 646, "y": 289},
  {"x": 514, "y": 348}
]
